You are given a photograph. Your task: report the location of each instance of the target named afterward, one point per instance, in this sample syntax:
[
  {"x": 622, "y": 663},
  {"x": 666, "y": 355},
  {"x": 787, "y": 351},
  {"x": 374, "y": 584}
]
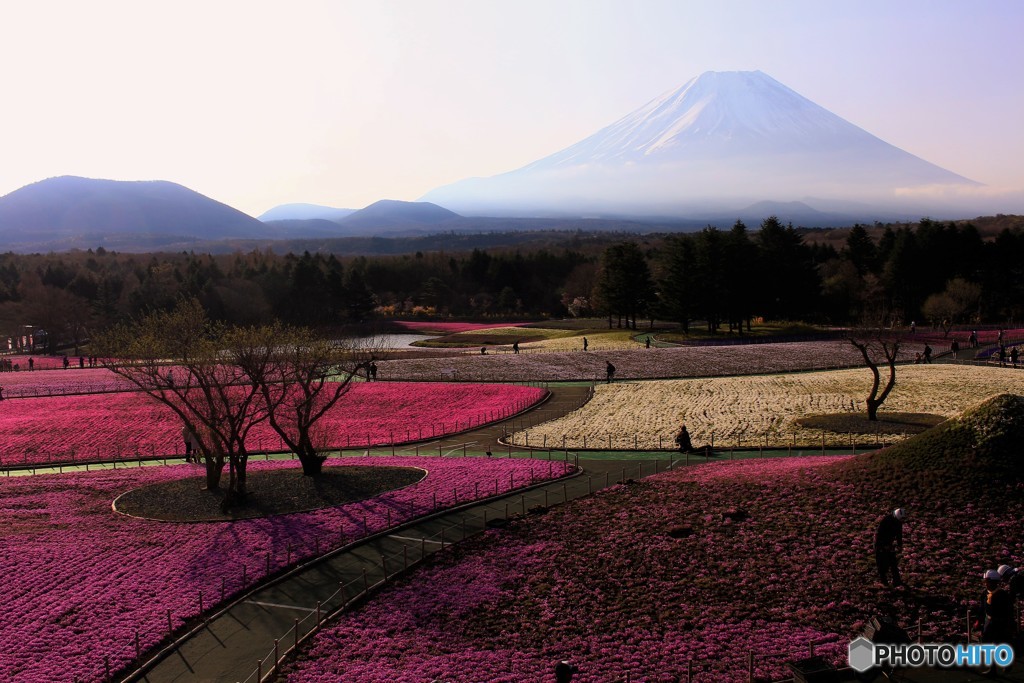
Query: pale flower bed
[
  {"x": 607, "y": 340},
  {"x": 740, "y": 411},
  {"x": 632, "y": 363}
]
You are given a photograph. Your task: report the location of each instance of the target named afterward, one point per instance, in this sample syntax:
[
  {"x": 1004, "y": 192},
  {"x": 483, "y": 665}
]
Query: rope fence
[
  {"x": 769, "y": 441},
  {"x": 266, "y": 568}
]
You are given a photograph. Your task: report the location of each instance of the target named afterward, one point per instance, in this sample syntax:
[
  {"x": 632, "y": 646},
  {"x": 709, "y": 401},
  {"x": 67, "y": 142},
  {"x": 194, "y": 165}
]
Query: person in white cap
[
  {"x": 888, "y": 545},
  {"x": 1014, "y": 579},
  {"x": 564, "y": 671}
]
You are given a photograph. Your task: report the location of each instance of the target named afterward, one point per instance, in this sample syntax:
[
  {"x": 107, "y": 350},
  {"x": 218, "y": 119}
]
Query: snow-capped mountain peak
[{"x": 732, "y": 138}]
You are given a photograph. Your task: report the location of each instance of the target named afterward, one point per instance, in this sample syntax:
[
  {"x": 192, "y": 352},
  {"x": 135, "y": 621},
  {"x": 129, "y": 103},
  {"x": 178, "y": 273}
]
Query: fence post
[
  {"x": 296, "y": 626},
  {"x": 750, "y": 667},
  {"x": 277, "y": 657}
]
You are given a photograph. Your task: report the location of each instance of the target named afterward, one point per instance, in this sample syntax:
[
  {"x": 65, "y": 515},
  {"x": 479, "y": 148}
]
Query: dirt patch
[
  {"x": 271, "y": 492},
  {"x": 858, "y": 423}
]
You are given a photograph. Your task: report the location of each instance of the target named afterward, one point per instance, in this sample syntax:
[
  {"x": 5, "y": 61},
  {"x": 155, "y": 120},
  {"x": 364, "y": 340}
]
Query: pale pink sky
[{"x": 342, "y": 103}]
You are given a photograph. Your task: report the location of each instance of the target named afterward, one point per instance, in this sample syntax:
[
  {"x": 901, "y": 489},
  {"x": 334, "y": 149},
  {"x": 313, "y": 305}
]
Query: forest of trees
[{"x": 932, "y": 272}]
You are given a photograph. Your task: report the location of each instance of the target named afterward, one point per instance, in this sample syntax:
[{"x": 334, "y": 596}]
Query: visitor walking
[
  {"x": 888, "y": 545},
  {"x": 373, "y": 371},
  {"x": 186, "y": 436},
  {"x": 1014, "y": 356},
  {"x": 610, "y": 372},
  {"x": 564, "y": 671},
  {"x": 954, "y": 347},
  {"x": 927, "y": 354},
  {"x": 585, "y": 343},
  {"x": 648, "y": 343},
  {"x": 515, "y": 347},
  {"x": 973, "y": 339}
]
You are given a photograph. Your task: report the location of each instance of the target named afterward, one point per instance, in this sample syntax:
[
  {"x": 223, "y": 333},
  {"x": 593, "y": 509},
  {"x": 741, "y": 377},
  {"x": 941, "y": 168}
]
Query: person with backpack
[{"x": 998, "y": 621}]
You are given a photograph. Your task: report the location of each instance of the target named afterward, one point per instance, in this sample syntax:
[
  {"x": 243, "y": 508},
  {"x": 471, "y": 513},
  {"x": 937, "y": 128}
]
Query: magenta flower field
[
  {"x": 122, "y": 425},
  {"x": 80, "y": 580},
  {"x": 643, "y": 578}
]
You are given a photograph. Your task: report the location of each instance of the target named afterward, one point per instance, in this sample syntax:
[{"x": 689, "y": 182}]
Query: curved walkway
[{"x": 239, "y": 638}]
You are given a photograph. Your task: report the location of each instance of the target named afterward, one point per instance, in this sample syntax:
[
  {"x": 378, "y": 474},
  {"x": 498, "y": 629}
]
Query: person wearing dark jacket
[
  {"x": 996, "y": 608},
  {"x": 888, "y": 543},
  {"x": 683, "y": 440}
]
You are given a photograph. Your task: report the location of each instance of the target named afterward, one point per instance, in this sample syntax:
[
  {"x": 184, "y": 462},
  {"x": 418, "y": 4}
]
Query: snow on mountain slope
[{"x": 722, "y": 138}]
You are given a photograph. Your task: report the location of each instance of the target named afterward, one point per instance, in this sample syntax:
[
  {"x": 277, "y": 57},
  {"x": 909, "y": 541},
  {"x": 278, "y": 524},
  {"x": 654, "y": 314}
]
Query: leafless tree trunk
[{"x": 870, "y": 350}]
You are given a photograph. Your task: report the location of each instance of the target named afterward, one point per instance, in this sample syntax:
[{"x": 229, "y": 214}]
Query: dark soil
[
  {"x": 461, "y": 340},
  {"x": 270, "y": 492},
  {"x": 858, "y": 423}
]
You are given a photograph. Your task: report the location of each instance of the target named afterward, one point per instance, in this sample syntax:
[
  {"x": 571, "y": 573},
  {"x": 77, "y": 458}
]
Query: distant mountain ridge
[
  {"x": 290, "y": 212},
  {"x": 722, "y": 141},
  {"x": 394, "y": 213},
  {"x": 65, "y": 206}
]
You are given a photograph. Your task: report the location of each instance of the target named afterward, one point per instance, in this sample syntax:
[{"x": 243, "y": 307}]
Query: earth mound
[
  {"x": 978, "y": 450},
  {"x": 270, "y": 492}
]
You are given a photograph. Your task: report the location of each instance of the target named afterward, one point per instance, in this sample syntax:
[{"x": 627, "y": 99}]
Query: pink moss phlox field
[
  {"x": 122, "y": 425},
  {"x": 79, "y": 579},
  {"x": 449, "y": 328},
  {"x": 601, "y": 581},
  {"x": 691, "y": 361}
]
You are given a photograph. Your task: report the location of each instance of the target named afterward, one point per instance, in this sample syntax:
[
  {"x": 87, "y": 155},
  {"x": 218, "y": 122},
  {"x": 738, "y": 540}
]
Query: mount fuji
[{"x": 722, "y": 142}]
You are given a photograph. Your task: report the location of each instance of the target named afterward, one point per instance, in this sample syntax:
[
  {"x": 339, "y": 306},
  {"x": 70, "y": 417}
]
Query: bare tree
[
  {"x": 304, "y": 378},
  {"x": 195, "y": 367},
  {"x": 876, "y": 350}
]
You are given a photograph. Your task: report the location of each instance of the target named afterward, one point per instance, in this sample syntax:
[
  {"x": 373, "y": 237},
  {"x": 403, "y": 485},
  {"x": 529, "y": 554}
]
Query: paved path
[{"x": 231, "y": 644}]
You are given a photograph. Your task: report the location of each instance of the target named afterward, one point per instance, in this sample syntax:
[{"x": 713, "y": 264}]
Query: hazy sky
[{"x": 342, "y": 103}]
